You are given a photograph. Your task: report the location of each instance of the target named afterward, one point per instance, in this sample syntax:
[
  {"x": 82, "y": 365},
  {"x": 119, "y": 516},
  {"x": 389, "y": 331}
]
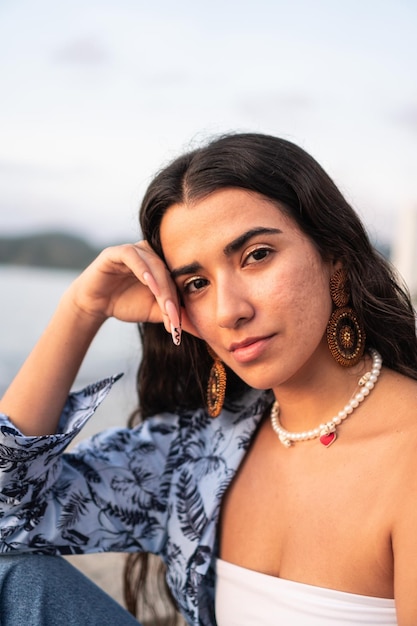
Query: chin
[{"x": 258, "y": 382}]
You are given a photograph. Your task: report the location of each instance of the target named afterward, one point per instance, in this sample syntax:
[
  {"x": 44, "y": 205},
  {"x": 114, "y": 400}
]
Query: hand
[{"x": 131, "y": 283}]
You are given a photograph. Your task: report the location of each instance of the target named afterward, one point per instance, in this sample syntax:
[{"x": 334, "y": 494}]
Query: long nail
[
  {"x": 176, "y": 335},
  {"x": 175, "y": 322},
  {"x": 151, "y": 282}
]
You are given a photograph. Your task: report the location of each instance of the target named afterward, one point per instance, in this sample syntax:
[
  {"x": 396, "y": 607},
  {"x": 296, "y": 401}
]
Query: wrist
[{"x": 82, "y": 315}]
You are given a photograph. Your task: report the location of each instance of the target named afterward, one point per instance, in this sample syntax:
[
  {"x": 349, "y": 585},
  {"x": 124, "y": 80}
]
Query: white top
[{"x": 247, "y": 598}]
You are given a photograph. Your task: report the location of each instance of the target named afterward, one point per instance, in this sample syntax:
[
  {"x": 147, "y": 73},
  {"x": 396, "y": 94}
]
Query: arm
[
  {"x": 127, "y": 282},
  {"x": 106, "y": 494},
  {"x": 404, "y": 542}
]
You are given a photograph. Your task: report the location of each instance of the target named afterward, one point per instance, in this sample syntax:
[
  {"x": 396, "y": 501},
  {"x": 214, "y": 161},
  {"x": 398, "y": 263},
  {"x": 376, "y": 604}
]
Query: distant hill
[
  {"x": 62, "y": 251},
  {"x": 57, "y": 250}
]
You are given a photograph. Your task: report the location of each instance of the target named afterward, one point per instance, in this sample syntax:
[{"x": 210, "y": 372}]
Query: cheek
[
  {"x": 198, "y": 321},
  {"x": 308, "y": 294}
]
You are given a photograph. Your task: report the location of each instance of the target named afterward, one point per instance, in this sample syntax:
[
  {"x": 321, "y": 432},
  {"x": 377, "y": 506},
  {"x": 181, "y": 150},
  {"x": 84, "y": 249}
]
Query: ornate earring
[
  {"x": 345, "y": 334},
  {"x": 216, "y": 388}
]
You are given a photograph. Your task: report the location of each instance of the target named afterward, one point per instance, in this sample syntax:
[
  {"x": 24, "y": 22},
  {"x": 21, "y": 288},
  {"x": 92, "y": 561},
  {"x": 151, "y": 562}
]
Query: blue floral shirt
[{"x": 155, "y": 488}]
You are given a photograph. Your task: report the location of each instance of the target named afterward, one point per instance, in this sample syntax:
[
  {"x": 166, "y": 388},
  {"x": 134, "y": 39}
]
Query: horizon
[{"x": 99, "y": 96}]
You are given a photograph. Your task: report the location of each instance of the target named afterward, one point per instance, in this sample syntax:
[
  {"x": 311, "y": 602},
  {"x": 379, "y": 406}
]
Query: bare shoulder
[
  {"x": 398, "y": 398},
  {"x": 400, "y": 473},
  {"x": 393, "y": 428},
  {"x": 397, "y": 427}
]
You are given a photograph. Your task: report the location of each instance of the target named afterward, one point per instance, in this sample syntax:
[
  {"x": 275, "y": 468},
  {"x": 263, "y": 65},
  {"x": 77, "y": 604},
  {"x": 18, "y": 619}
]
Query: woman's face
[{"x": 254, "y": 286}]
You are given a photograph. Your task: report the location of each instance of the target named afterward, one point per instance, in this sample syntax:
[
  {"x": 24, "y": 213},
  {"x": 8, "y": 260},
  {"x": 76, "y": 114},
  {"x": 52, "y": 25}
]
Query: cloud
[
  {"x": 166, "y": 79},
  {"x": 407, "y": 117},
  {"x": 86, "y": 51},
  {"x": 272, "y": 104},
  {"x": 31, "y": 170},
  {"x": 19, "y": 168}
]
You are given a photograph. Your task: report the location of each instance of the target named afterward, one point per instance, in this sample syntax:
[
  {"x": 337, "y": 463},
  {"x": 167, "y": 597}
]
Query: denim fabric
[
  {"x": 156, "y": 488},
  {"x": 40, "y": 590}
]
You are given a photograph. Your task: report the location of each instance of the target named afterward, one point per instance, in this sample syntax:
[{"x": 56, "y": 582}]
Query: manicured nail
[
  {"x": 176, "y": 335},
  {"x": 175, "y": 322},
  {"x": 172, "y": 313},
  {"x": 151, "y": 282}
]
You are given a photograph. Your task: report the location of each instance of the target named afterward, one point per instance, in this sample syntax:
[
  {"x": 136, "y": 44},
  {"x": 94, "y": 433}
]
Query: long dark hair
[{"x": 169, "y": 378}]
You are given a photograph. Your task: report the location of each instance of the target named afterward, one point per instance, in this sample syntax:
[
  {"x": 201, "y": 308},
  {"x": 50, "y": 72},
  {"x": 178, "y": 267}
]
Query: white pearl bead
[{"x": 287, "y": 438}]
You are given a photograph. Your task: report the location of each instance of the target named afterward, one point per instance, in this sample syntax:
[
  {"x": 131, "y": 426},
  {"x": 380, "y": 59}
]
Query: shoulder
[
  {"x": 163, "y": 431},
  {"x": 398, "y": 397},
  {"x": 386, "y": 436},
  {"x": 395, "y": 397},
  {"x": 401, "y": 472},
  {"x": 394, "y": 419},
  {"x": 397, "y": 430}
]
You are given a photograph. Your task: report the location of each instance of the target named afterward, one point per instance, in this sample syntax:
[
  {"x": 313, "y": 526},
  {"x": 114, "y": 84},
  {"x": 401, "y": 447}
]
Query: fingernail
[
  {"x": 175, "y": 322},
  {"x": 150, "y": 281},
  {"x": 176, "y": 335},
  {"x": 172, "y": 313}
]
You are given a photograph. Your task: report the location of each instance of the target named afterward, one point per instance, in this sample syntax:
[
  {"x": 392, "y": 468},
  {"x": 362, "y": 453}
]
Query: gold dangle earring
[
  {"x": 345, "y": 333},
  {"x": 216, "y": 388}
]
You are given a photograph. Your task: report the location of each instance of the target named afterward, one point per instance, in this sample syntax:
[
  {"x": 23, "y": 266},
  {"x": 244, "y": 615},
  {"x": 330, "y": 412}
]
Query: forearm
[
  {"x": 128, "y": 282},
  {"x": 36, "y": 397}
]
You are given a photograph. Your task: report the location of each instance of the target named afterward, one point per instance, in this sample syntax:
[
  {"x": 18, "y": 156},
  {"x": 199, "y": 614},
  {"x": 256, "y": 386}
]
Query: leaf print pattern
[
  {"x": 73, "y": 510},
  {"x": 190, "y": 507},
  {"x": 156, "y": 487}
]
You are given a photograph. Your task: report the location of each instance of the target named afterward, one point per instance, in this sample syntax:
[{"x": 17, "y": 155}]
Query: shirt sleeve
[{"x": 108, "y": 494}]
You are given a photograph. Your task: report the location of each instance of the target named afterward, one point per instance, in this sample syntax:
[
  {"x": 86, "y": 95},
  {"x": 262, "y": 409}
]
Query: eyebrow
[
  {"x": 240, "y": 241},
  {"x": 228, "y": 250}
]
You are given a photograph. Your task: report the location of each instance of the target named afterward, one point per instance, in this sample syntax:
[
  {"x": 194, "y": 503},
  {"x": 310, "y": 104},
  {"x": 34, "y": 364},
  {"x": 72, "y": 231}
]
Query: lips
[{"x": 249, "y": 349}]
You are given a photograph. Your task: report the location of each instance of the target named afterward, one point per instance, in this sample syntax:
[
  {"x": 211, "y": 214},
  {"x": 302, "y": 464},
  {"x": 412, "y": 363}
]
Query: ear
[
  {"x": 334, "y": 265},
  {"x": 187, "y": 325}
]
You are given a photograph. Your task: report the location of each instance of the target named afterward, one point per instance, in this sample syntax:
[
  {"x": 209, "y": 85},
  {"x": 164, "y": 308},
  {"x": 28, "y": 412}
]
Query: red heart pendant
[{"x": 327, "y": 440}]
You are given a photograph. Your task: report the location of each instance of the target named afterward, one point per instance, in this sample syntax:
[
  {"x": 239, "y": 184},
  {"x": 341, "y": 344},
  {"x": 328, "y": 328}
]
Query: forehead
[{"x": 217, "y": 219}]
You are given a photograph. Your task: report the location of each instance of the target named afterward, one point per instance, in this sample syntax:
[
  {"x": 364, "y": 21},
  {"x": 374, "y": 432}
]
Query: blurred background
[{"x": 96, "y": 95}]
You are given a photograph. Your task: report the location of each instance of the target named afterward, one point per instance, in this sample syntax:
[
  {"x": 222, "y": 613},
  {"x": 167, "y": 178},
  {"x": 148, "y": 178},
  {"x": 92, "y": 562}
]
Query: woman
[{"x": 297, "y": 512}]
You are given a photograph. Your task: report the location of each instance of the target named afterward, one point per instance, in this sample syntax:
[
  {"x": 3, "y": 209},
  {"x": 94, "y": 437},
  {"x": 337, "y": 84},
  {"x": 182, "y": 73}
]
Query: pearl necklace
[{"x": 327, "y": 431}]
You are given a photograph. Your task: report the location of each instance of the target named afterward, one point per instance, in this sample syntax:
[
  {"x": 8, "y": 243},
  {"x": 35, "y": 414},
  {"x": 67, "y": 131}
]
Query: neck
[
  {"x": 327, "y": 428},
  {"x": 318, "y": 393}
]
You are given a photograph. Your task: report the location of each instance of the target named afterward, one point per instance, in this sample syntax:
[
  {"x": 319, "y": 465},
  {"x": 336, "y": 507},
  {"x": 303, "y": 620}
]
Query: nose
[{"x": 233, "y": 304}]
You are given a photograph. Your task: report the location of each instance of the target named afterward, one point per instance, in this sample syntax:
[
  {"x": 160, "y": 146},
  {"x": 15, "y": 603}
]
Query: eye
[
  {"x": 256, "y": 255},
  {"x": 194, "y": 284}
]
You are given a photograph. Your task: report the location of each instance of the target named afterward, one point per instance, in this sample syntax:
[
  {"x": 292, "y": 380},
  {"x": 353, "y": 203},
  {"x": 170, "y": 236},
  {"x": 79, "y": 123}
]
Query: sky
[{"x": 97, "y": 95}]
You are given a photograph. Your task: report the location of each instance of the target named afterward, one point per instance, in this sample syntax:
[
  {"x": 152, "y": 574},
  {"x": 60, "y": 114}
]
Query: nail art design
[
  {"x": 176, "y": 334},
  {"x": 175, "y": 322}
]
